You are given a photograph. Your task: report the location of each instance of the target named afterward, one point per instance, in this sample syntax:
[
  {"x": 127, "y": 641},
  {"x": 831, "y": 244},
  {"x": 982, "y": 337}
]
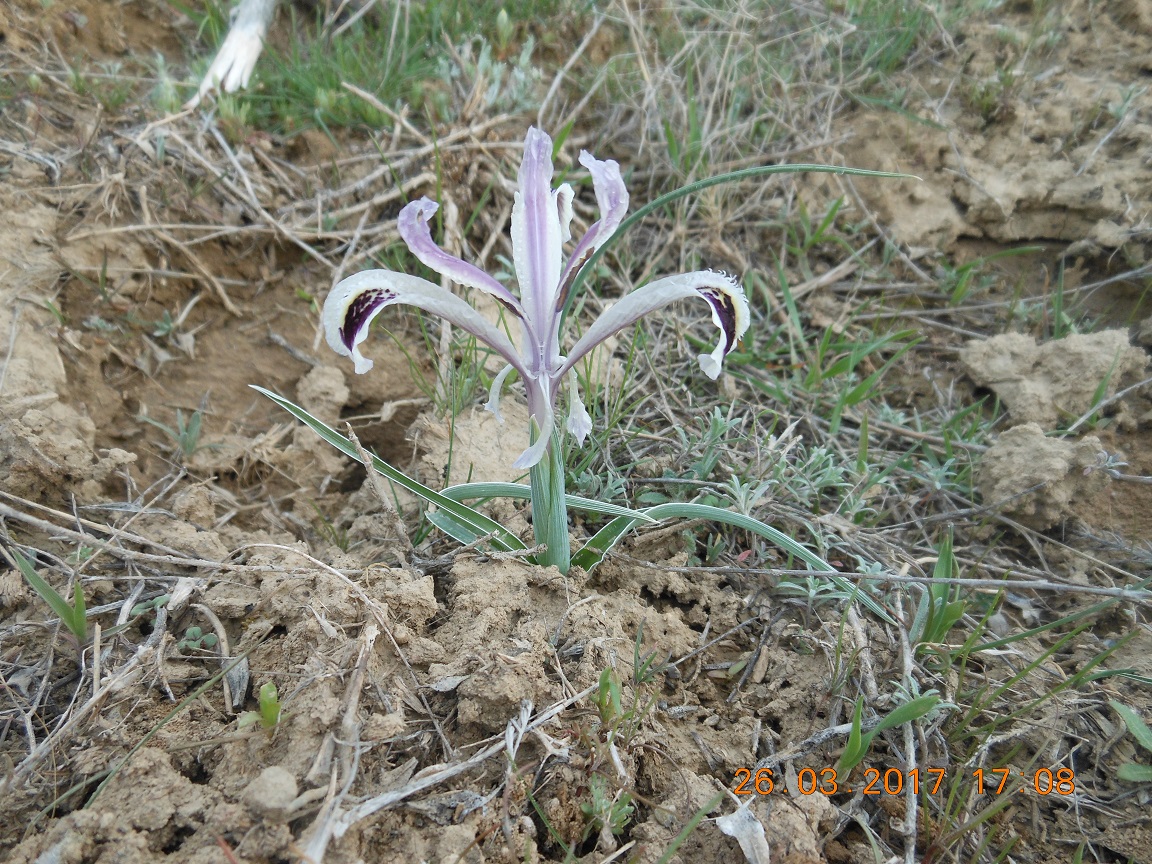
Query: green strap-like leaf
[
  {"x": 73, "y": 617},
  {"x": 854, "y": 748},
  {"x": 79, "y": 624},
  {"x": 700, "y": 185},
  {"x": 458, "y": 532},
  {"x": 1135, "y": 773},
  {"x": 470, "y": 524},
  {"x": 1135, "y": 724},
  {"x": 908, "y": 712},
  {"x": 595, "y": 549},
  {"x": 494, "y": 489}
]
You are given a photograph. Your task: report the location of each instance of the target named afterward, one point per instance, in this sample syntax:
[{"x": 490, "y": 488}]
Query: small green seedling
[
  {"x": 939, "y": 609},
  {"x": 608, "y": 704},
  {"x": 196, "y": 639},
  {"x": 82, "y": 554},
  {"x": 73, "y": 615},
  {"x": 646, "y": 667},
  {"x": 268, "y": 714},
  {"x": 860, "y": 742},
  {"x": 150, "y": 605},
  {"x": 606, "y": 812},
  {"x": 310, "y": 299},
  {"x": 186, "y": 435},
  {"x": 1100, "y": 395},
  {"x": 505, "y": 29},
  {"x": 1134, "y": 771}
]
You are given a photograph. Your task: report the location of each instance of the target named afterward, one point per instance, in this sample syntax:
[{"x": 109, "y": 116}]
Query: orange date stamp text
[{"x": 896, "y": 781}]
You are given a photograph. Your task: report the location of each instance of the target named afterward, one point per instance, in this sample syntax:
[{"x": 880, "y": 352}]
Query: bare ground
[{"x": 153, "y": 266}]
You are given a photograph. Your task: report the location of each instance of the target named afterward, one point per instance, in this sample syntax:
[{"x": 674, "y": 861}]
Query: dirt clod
[
  {"x": 1040, "y": 481},
  {"x": 271, "y": 793},
  {"x": 1055, "y": 381}
]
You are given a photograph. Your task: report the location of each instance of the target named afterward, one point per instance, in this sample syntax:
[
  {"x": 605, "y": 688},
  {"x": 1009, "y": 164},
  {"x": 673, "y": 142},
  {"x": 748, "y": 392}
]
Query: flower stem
[{"x": 549, "y": 509}]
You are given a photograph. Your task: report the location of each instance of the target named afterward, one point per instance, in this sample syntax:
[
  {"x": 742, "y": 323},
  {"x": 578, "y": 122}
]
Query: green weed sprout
[
  {"x": 860, "y": 742},
  {"x": 269, "y": 709},
  {"x": 606, "y": 812},
  {"x": 186, "y": 435},
  {"x": 541, "y": 221},
  {"x": 150, "y": 605},
  {"x": 195, "y": 639},
  {"x": 1134, "y": 771},
  {"x": 939, "y": 608},
  {"x": 504, "y": 30},
  {"x": 73, "y": 615}
]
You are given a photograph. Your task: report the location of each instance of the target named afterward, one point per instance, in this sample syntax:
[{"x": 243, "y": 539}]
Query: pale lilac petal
[
  {"x": 536, "y": 244},
  {"x": 612, "y": 199},
  {"x": 723, "y": 293},
  {"x": 579, "y": 421},
  {"x": 413, "y": 224},
  {"x": 563, "y": 197},
  {"x": 355, "y": 301},
  {"x": 611, "y": 194},
  {"x": 493, "y": 403},
  {"x": 536, "y": 452}
]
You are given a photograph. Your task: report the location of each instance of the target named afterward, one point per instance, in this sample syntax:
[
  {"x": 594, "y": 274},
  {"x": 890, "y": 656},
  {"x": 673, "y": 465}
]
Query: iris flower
[{"x": 541, "y": 222}]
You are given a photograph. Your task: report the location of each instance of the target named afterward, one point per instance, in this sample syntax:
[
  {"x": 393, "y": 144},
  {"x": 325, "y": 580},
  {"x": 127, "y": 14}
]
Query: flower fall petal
[
  {"x": 723, "y": 293},
  {"x": 355, "y": 301}
]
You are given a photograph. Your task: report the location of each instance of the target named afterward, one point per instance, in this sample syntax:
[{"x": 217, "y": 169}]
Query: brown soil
[{"x": 393, "y": 665}]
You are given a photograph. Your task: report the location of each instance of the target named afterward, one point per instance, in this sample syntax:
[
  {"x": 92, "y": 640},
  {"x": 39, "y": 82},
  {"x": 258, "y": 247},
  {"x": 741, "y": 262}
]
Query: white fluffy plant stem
[{"x": 232, "y": 67}]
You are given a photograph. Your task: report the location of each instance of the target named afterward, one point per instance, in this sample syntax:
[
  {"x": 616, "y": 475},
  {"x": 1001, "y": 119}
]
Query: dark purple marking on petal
[
  {"x": 360, "y": 310},
  {"x": 569, "y": 278},
  {"x": 725, "y": 309},
  {"x": 580, "y": 256},
  {"x": 507, "y": 304}
]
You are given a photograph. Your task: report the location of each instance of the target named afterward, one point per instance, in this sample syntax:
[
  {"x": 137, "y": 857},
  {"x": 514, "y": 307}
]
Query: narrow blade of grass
[
  {"x": 693, "y": 823},
  {"x": 462, "y": 491},
  {"x": 472, "y": 526},
  {"x": 595, "y": 549},
  {"x": 74, "y": 617}
]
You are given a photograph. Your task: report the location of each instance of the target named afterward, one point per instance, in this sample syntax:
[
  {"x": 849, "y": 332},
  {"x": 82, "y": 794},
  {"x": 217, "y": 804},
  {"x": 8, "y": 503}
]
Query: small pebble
[{"x": 271, "y": 794}]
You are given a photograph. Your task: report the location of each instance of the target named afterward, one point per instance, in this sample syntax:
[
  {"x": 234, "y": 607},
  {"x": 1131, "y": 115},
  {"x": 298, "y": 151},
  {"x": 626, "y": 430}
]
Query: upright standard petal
[
  {"x": 612, "y": 199},
  {"x": 536, "y": 243},
  {"x": 723, "y": 293},
  {"x": 355, "y": 301},
  {"x": 416, "y": 233},
  {"x": 563, "y": 197}
]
